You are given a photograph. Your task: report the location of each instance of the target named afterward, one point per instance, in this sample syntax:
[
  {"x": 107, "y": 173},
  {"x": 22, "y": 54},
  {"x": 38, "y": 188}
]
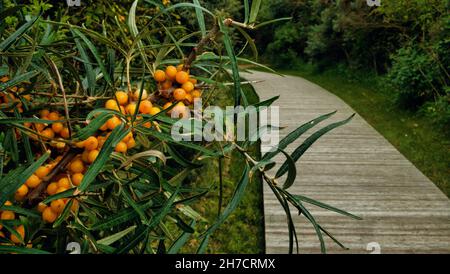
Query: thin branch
[
  {"x": 35, "y": 196},
  {"x": 61, "y": 86}
]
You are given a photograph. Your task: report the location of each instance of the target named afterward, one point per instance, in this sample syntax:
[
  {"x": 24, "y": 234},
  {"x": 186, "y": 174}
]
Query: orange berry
[
  {"x": 180, "y": 67},
  {"x": 166, "y": 85},
  {"x": 53, "y": 116},
  {"x": 189, "y": 98},
  {"x": 64, "y": 182},
  {"x": 171, "y": 72},
  {"x": 154, "y": 111},
  {"x": 127, "y": 137},
  {"x": 85, "y": 156},
  {"x": 42, "y": 171},
  {"x": 39, "y": 126},
  {"x": 7, "y": 215},
  {"x": 2, "y": 235},
  {"x": 113, "y": 122},
  {"x": 48, "y": 133},
  {"x": 188, "y": 86},
  {"x": 131, "y": 108},
  {"x": 196, "y": 93},
  {"x": 49, "y": 216},
  {"x": 182, "y": 77},
  {"x": 57, "y": 127},
  {"x": 41, "y": 207},
  {"x": 22, "y": 191},
  {"x": 51, "y": 188},
  {"x": 101, "y": 141},
  {"x": 77, "y": 166},
  {"x": 74, "y": 206},
  {"x": 121, "y": 147},
  {"x": 147, "y": 125},
  {"x": 79, "y": 144},
  {"x": 77, "y": 178},
  {"x": 33, "y": 181},
  {"x": 91, "y": 143},
  {"x": 193, "y": 81},
  {"x": 136, "y": 94},
  {"x": 8, "y": 203},
  {"x": 145, "y": 107},
  {"x": 131, "y": 143},
  {"x": 57, "y": 206},
  {"x": 27, "y": 97},
  {"x": 93, "y": 155},
  {"x": 104, "y": 127},
  {"x": 122, "y": 97},
  {"x": 44, "y": 113},
  {"x": 160, "y": 76},
  {"x": 60, "y": 145},
  {"x": 179, "y": 94},
  {"x": 21, "y": 231},
  {"x": 167, "y": 105},
  {"x": 65, "y": 133},
  {"x": 180, "y": 111},
  {"x": 112, "y": 104},
  {"x": 61, "y": 189}
]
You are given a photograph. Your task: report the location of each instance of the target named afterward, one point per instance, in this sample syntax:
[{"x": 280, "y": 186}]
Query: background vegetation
[{"x": 390, "y": 63}]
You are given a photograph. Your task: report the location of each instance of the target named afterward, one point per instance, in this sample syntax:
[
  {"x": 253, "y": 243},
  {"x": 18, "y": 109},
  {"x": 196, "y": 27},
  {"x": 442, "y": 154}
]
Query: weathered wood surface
[{"x": 353, "y": 168}]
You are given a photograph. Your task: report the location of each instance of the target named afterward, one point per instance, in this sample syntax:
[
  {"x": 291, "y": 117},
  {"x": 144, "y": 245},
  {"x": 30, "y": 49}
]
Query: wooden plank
[{"x": 356, "y": 169}]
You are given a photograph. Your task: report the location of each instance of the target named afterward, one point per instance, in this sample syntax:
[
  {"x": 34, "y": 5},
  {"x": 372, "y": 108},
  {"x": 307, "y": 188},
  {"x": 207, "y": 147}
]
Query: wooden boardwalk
[{"x": 353, "y": 168}]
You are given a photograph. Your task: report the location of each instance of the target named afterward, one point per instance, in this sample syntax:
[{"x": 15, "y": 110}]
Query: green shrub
[{"x": 413, "y": 76}]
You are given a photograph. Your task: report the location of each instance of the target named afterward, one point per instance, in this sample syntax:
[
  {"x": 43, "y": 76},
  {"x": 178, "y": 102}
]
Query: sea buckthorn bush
[{"x": 86, "y": 149}]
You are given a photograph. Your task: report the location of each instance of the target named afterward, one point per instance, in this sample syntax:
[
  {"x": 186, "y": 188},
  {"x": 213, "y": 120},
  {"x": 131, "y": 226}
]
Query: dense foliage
[
  {"x": 88, "y": 104},
  {"x": 406, "y": 40}
]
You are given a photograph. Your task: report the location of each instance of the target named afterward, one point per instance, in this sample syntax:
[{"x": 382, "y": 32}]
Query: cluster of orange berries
[
  {"x": 54, "y": 133},
  {"x": 175, "y": 84},
  {"x": 63, "y": 182},
  {"x": 7, "y": 215},
  {"x": 127, "y": 104},
  {"x": 9, "y": 97}
]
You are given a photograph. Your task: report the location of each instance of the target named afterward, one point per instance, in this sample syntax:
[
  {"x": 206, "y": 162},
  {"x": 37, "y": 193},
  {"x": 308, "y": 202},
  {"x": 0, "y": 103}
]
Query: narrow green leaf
[
  {"x": 64, "y": 214},
  {"x": 246, "y": 11},
  {"x": 61, "y": 195},
  {"x": 235, "y": 199},
  {"x": 95, "y": 53},
  {"x": 109, "y": 240},
  {"x": 18, "y": 79},
  {"x": 21, "y": 211},
  {"x": 309, "y": 142},
  {"x": 8, "y": 186},
  {"x": 120, "y": 217},
  {"x": 256, "y": 4},
  {"x": 90, "y": 74},
  {"x": 129, "y": 200},
  {"x": 238, "y": 93},
  {"x": 294, "y": 135},
  {"x": 180, "y": 241},
  {"x": 116, "y": 135},
  {"x": 5, "y": 44},
  {"x": 138, "y": 236},
  {"x": 6, "y": 249},
  {"x": 93, "y": 126},
  {"x": 292, "y": 171},
  {"x": 325, "y": 206},
  {"x": 200, "y": 18},
  {"x": 272, "y": 21},
  {"x": 250, "y": 41}
]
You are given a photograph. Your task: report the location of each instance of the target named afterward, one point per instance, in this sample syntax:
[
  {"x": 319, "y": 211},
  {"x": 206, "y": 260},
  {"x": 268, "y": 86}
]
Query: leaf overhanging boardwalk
[{"x": 355, "y": 169}]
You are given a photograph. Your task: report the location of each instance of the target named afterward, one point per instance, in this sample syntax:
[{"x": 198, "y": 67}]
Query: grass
[
  {"x": 243, "y": 231},
  {"x": 414, "y": 135}
]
